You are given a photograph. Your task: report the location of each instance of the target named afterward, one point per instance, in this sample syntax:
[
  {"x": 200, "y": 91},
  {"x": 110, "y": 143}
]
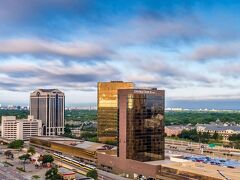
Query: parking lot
[
  {"x": 214, "y": 161},
  {"x": 8, "y": 167}
]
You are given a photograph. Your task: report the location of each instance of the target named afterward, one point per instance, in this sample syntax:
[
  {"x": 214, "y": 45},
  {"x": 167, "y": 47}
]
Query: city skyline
[{"x": 184, "y": 47}]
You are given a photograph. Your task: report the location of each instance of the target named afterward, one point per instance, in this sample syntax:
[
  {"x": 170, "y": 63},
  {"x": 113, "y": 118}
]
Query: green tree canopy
[
  {"x": 24, "y": 157},
  {"x": 8, "y": 153},
  {"x": 31, "y": 150},
  {"x": 234, "y": 137},
  {"x": 47, "y": 158},
  {"x": 215, "y": 136},
  {"x": 52, "y": 174},
  {"x": 93, "y": 174},
  {"x": 16, "y": 144},
  {"x": 35, "y": 177}
]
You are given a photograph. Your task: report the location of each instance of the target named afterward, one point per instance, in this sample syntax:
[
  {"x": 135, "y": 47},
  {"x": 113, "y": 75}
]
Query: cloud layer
[{"x": 189, "y": 49}]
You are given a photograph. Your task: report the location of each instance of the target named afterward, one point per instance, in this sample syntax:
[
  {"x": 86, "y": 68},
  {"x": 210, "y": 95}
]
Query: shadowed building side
[{"x": 141, "y": 124}]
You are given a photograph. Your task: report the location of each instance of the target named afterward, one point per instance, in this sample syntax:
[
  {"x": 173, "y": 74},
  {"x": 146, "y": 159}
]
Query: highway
[{"x": 195, "y": 148}]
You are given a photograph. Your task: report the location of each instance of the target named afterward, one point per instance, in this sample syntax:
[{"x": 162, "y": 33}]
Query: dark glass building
[
  {"x": 141, "y": 124},
  {"x": 108, "y": 109},
  {"x": 48, "y": 105}
]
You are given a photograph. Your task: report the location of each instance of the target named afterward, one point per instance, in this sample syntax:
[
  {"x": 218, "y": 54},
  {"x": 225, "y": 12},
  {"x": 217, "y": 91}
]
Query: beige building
[
  {"x": 23, "y": 129},
  {"x": 48, "y": 105},
  {"x": 223, "y": 130},
  {"x": 175, "y": 130}
]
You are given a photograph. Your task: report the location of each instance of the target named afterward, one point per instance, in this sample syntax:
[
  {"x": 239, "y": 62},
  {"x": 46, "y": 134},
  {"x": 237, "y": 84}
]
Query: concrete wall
[{"x": 127, "y": 166}]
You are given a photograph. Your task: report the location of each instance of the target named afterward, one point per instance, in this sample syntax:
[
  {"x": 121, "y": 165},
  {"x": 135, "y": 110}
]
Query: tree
[
  {"x": 234, "y": 137},
  {"x": 8, "y": 154},
  {"x": 89, "y": 136},
  {"x": 215, "y": 136},
  {"x": 24, "y": 158},
  {"x": 31, "y": 150},
  {"x": 47, "y": 158},
  {"x": 93, "y": 174},
  {"x": 52, "y": 174},
  {"x": 67, "y": 131},
  {"x": 35, "y": 177},
  {"x": 16, "y": 144}
]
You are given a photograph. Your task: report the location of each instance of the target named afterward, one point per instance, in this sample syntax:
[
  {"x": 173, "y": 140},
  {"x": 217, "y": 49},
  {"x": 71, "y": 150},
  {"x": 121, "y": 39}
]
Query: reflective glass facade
[
  {"x": 108, "y": 108},
  {"x": 141, "y": 115}
]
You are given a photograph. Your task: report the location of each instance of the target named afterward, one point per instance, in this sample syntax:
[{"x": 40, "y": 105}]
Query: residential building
[
  {"x": 223, "y": 130},
  {"x": 175, "y": 130},
  {"x": 23, "y": 129},
  {"x": 48, "y": 105},
  {"x": 108, "y": 109}
]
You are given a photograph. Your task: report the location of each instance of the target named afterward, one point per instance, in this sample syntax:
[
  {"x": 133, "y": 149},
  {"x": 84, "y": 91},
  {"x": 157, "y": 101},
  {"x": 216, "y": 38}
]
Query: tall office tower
[
  {"x": 141, "y": 124},
  {"x": 48, "y": 105},
  {"x": 108, "y": 109}
]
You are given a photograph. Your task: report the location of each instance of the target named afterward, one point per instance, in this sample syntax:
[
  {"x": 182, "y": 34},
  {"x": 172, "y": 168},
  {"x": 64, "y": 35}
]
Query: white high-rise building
[{"x": 23, "y": 129}]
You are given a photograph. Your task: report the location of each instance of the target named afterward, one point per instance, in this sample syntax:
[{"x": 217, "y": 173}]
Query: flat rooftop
[
  {"x": 81, "y": 144},
  {"x": 204, "y": 169}
]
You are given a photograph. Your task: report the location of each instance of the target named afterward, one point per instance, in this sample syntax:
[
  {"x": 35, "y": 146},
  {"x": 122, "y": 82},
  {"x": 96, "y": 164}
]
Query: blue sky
[{"x": 189, "y": 48}]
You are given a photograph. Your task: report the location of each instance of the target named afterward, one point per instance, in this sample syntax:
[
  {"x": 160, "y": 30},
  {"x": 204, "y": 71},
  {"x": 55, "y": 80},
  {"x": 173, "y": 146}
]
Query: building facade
[
  {"x": 48, "y": 105},
  {"x": 23, "y": 129},
  {"x": 225, "y": 131},
  {"x": 141, "y": 124},
  {"x": 175, "y": 130},
  {"x": 108, "y": 109}
]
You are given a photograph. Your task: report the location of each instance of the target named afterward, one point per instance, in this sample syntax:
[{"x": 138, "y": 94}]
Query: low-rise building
[
  {"x": 76, "y": 132},
  {"x": 85, "y": 151},
  {"x": 222, "y": 129},
  {"x": 23, "y": 129},
  {"x": 175, "y": 130},
  {"x": 66, "y": 174}
]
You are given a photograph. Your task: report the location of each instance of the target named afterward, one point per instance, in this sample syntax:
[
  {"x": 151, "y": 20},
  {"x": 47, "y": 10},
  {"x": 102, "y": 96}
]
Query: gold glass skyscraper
[{"x": 108, "y": 109}]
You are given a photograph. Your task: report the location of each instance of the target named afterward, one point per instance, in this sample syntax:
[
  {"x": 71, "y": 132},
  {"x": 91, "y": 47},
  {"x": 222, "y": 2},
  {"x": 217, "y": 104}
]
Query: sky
[{"x": 189, "y": 48}]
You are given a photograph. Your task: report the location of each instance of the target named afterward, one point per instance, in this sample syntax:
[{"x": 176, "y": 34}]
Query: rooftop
[
  {"x": 87, "y": 145},
  {"x": 205, "y": 169},
  {"x": 212, "y": 127},
  {"x": 48, "y": 90}
]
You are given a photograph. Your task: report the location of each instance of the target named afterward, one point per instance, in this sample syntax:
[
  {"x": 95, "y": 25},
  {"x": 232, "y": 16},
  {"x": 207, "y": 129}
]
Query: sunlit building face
[{"x": 108, "y": 109}]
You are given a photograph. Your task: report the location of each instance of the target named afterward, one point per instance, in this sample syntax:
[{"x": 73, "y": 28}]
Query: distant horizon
[{"x": 184, "y": 104}]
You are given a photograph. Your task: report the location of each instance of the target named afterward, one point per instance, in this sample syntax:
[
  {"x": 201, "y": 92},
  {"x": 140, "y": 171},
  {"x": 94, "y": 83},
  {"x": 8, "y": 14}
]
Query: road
[
  {"x": 194, "y": 148},
  {"x": 8, "y": 173}
]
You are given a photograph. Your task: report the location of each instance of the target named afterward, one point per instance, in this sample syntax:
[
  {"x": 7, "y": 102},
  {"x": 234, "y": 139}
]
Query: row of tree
[
  {"x": 204, "y": 137},
  {"x": 16, "y": 144}
]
